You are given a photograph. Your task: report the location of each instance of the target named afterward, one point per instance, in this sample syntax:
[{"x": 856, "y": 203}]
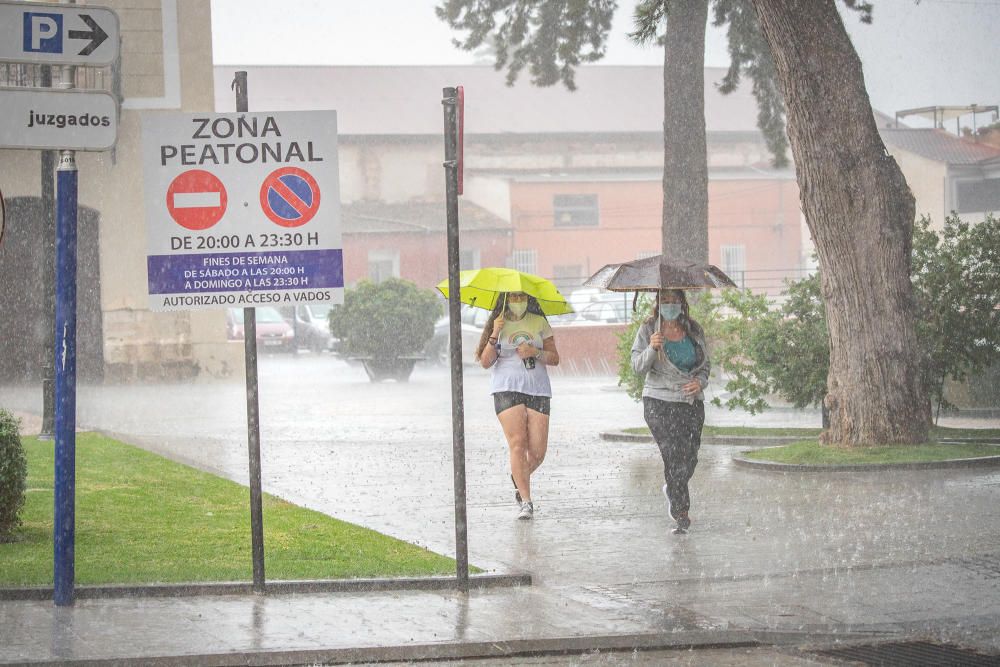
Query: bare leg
[
  {"x": 514, "y": 422},
  {"x": 538, "y": 439}
]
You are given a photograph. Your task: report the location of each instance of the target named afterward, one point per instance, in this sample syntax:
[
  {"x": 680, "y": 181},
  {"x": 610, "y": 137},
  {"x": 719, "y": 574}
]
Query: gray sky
[{"x": 935, "y": 52}]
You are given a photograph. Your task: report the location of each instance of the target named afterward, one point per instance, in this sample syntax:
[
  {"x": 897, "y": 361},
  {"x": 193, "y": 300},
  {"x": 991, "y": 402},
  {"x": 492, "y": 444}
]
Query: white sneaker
[
  {"x": 667, "y": 496},
  {"x": 527, "y": 511}
]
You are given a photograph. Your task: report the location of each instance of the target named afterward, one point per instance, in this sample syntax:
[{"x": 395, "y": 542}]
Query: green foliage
[
  {"x": 387, "y": 319},
  {"x": 736, "y": 333},
  {"x": 957, "y": 290},
  {"x": 750, "y": 55},
  {"x": 551, "y": 37},
  {"x": 782, "y": 351},
  {"x": 626, "y": 376},
  {"x": 13, "y": 473},
  {"x": 786, "y": 352}
]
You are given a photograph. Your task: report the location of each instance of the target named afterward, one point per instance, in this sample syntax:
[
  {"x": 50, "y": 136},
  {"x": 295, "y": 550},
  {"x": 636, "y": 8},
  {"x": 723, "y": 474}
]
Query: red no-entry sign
[{"x": 196, "y": 199}]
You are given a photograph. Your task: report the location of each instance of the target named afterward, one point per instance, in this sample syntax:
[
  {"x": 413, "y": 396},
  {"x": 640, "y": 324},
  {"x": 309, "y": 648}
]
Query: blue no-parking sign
[{"x": 290, "y": 196}]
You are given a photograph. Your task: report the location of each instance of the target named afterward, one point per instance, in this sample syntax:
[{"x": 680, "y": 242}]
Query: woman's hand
[
  {"x": 656, "y": 341},
  {"x": 497, "y": 326},
  {"x": 527, "y": 350},
  {"x": 692, "y": 388}
]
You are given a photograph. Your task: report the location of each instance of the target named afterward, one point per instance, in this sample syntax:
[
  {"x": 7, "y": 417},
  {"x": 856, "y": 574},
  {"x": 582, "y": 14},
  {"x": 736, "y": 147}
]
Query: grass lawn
[
  {"x": 938, "y": 432},
  {"x": 810, "y": 452},
  {"x": 141, "y": 518}
]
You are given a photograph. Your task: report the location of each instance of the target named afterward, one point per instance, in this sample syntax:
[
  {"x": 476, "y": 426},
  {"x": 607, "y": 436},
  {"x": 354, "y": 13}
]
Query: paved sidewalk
[{"x": 775, "y": 561}]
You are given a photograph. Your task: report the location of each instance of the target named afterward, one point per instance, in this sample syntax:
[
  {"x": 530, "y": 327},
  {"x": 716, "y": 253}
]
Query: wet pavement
[{"x": 783, "y": 559}]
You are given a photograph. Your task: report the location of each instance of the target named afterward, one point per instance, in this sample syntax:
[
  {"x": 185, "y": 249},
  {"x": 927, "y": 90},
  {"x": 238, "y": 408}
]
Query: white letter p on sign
[{"x": 42, "y": 27}]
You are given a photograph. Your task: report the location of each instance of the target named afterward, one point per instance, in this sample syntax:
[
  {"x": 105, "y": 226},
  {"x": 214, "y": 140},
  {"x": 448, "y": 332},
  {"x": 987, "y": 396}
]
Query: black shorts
[{"x": 503, "y": 400}]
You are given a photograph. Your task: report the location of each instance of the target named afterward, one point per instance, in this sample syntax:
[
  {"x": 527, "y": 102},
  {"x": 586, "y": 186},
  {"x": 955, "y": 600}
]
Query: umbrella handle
[{"x": 659, "y": 325}]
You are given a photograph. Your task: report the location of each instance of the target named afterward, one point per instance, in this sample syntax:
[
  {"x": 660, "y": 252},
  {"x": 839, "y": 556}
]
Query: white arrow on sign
[
  {"x": 44, "y": 118},
  {"x": 34, "y": 32}
]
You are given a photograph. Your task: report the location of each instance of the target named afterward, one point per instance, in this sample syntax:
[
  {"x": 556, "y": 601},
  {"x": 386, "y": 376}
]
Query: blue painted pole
[{"x": 65, "y": 390}]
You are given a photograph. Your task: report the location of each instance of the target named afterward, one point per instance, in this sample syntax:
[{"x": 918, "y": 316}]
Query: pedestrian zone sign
[{"x": 242, "y": 209}]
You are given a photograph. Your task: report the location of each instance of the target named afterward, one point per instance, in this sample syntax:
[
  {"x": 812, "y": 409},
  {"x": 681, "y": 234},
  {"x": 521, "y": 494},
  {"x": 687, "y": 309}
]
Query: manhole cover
[{"x": 912, "y": 654}]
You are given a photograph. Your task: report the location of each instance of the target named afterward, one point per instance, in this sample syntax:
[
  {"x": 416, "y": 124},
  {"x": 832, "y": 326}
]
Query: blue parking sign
[{"x": 43, "y": 32}]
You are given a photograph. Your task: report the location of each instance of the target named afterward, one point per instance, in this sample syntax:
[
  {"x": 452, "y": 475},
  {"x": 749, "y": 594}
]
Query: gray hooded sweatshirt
[{"x": 663, "y": 379}]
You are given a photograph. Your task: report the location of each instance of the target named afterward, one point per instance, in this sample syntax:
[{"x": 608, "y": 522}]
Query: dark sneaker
[
  {"x": 683, "y": 521},
  {"x": 517, "y": 494}
]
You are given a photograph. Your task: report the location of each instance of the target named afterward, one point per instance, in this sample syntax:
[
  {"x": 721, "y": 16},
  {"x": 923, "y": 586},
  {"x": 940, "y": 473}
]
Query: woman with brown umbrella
[{"x": 670, "y": 351}]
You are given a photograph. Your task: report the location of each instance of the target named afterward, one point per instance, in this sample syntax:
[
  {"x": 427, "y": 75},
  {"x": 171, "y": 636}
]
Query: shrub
[
  {"x": 389, "y": 319},
  {"x": 13, "y": 475},
  {"x": 626, "y": 376}
]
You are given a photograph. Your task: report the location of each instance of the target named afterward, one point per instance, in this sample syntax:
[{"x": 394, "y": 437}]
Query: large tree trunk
[
  {"x": 860, "y": 213},
  {"x": 685, "y": 162}
]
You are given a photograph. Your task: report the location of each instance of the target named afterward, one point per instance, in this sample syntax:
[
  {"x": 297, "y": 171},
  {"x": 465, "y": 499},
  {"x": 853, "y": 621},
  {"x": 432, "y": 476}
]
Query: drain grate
[{"x": 912, "y": 654}]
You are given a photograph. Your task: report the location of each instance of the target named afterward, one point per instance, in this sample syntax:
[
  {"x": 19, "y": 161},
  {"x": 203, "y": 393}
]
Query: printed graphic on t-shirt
[{"x": 518, "y": 337}]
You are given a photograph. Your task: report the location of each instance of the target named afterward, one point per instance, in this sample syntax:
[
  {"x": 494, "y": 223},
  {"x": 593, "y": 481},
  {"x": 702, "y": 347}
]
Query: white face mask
[{"x": 518, "y": 308}]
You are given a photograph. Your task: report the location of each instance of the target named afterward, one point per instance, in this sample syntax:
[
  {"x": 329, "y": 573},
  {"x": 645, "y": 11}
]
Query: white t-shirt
[{"x": 509, "y": 372}]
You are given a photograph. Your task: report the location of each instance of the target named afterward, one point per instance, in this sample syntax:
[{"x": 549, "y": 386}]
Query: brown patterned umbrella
[{"x": 658, "y": 272}]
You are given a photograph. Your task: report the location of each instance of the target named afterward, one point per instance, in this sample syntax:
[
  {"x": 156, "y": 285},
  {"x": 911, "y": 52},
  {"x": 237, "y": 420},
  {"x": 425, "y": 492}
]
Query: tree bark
[
  {"x": 860, "y": 213},
  {"x": 685, "y": 162}
]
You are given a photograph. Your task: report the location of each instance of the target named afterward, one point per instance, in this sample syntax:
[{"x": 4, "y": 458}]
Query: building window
[
  {"x": 734, "y": 263},
  {"x": 382, "y": 265},
  {"x": 575, "y": 210},
  {"x": 469, "y": 259},
  {"x": 978, "y": 196},
  {"x": 525, "y": 261}
]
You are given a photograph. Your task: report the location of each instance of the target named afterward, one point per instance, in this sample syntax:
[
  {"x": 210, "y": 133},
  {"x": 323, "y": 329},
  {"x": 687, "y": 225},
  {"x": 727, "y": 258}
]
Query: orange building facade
[{"x": 570, "y": 229}]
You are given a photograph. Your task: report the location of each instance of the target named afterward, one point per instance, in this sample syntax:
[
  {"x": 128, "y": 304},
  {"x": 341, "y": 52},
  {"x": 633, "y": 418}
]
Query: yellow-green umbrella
[{"x": 482, "y": 287}]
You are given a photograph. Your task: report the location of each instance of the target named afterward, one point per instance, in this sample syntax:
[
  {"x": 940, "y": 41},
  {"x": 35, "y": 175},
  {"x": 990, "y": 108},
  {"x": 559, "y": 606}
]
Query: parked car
[
  {"x": 312, "y": 327},
  {"x": 473, "y": 321},
  {"x": 601, "y": 307},
  {"x": 274, "y": 334}
]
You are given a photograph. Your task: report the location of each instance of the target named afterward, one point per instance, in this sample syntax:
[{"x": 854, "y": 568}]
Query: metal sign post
[
  {"x": 64, "y": 528},
  {"x": 253, "y": 404},
  {"x": 65, "y": 391},
  {"x": 452, "y": 138}
]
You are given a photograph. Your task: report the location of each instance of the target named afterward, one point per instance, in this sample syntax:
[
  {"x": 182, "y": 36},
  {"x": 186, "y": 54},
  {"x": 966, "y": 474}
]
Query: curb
[
  {"x": 500, "y": 648},
  {"x": 773, "y": 466},
  {"x": 510, "y": 648},
  {"x": 277, "y": 587}
]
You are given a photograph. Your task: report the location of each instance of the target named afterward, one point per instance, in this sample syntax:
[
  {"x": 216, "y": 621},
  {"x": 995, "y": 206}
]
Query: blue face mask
[{"x": 670, "y": 311}]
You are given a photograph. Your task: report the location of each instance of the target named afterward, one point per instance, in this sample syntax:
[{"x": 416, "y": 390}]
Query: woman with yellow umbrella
[{"x": 517, "y": 345}]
